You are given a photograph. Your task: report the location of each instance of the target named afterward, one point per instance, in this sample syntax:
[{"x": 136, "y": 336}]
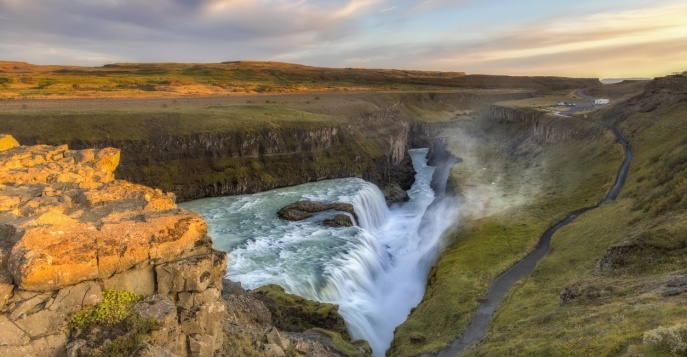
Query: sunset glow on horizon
[{"x": 634, "y": 38}]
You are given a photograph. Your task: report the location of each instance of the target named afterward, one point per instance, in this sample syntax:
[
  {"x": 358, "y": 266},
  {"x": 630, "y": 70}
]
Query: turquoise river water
[{"x": 375, "y": 272}]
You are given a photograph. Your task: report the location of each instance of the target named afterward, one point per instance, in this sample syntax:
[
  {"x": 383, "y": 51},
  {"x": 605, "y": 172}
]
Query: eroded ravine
[{"x": 477, "y": 328}]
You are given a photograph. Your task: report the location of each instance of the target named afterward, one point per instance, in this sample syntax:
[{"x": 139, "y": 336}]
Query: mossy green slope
[
  {"x": 514, "y": 185},
  {"x": 613, "y": 281},
  {"x": 293, "y": 313},
  {"x": 607, "y": 288}
]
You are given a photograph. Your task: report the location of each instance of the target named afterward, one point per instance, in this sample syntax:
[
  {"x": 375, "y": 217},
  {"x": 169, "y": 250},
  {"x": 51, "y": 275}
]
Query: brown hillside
[{"x": 23, "y": 80}]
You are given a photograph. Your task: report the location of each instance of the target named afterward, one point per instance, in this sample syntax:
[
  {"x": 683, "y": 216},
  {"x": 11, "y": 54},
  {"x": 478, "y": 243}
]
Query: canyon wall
[
  {"x": 230, "y": 163},
  {"x": 546, "y": 126},
  {"x": 370, "y": 143},
  {"x": 218, "y": 164},
  {"x": 662, "y": 92}
]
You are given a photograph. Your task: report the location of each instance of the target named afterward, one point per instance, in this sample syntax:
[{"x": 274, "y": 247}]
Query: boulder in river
[
  {"x": 340, "y": 220},
  {"x": 301, "y": 210}
]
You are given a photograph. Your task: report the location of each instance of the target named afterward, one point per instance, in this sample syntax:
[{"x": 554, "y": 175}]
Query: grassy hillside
[
  {"x": 22, "y": 80},
  {"x": 613, "y": 281},
  {"x": 514, "y": 185}
]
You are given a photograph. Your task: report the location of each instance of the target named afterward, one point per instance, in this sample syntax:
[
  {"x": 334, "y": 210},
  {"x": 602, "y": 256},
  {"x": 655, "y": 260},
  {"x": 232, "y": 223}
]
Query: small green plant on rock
[
  {"x": 116, "y": 306},
  {"x": 111, "y": 328}
]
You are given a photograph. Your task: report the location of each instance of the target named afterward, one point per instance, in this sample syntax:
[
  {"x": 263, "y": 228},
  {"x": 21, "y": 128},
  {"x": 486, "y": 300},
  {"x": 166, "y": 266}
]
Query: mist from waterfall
[{"x": 376, "y": 272}]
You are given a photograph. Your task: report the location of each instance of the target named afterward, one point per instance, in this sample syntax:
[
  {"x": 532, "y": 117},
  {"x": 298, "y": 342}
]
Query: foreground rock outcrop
[
  {"x": 270, "y": 322},
  {"x": 69, "y": 232},
  {"x": 74, "y": 240}
]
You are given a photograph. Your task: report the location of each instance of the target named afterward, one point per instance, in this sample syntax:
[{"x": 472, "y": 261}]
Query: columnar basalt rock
[
  {"x": 69, "y": 230},
  {"x": 546, "y": 127}
]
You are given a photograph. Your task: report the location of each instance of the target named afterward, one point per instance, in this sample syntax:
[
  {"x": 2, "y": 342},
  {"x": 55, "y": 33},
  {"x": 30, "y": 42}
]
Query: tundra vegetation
[{"x": 23, "y": 80}]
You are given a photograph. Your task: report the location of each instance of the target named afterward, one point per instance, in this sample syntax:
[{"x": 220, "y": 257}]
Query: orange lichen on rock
[
  {"x": 7, "y": 142},
  {"x": 65, "y": 219}
]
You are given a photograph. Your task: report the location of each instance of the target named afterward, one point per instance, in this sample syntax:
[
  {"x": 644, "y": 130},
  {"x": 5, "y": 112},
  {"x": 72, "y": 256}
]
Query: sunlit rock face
[
  {"x": 69, "y": 230},
  {"x": 71, "y": 221}
]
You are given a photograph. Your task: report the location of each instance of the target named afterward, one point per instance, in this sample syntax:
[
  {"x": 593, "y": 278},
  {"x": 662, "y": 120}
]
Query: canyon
[
  {"x": 111, "y": 235},
  {"x": 520, "y": 168}
]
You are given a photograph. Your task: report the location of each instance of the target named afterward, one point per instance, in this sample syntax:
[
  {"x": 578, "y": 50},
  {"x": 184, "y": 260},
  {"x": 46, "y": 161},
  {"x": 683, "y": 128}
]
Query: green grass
[
  {"x": 612, "y": 265},
  {"x": 113, "y": 320},
  {"x": 514, "y": 187},
  {"x": 145, "y": 80},
  {"x": 612, "y": 310},
  {"x": 116, "y": 306},
  {"x": 63, "y": 126},
  {"x": 178, "y": 79}
]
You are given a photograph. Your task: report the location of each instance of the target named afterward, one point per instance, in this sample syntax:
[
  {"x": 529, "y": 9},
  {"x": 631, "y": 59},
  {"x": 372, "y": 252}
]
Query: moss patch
[
  {"x": 111, "y": 328},
  {"x": 295, "y": 314}
]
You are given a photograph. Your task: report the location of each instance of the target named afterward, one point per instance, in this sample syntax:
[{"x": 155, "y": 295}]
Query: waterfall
[
  {"x": 370, "y": 207},
  {"x": 375, "y": 271},
  {"x": 355, "y": 271}
]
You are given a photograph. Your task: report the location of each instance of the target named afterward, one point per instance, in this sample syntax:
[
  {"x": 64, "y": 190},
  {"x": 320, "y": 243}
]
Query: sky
[{"x": 581, "y": 38}]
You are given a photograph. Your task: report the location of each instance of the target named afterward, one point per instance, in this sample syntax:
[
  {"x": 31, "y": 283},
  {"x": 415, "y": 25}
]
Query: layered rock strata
[
  {"x": 69, "y": 231},
  {"x": 546, "y": 127}
]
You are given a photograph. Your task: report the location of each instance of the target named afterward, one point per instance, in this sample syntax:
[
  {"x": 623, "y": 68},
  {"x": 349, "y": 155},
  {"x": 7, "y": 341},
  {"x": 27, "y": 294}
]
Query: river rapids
[{"x": 375, "y": 272}]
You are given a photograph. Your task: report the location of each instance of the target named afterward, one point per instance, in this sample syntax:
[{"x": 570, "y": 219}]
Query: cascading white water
[
  {"x": 375, "y": 272},
  {"x": 370, "y": 206}
]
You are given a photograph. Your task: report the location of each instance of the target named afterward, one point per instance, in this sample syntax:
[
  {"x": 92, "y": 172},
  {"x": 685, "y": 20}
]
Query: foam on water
[{"x": 375, "y": 272}]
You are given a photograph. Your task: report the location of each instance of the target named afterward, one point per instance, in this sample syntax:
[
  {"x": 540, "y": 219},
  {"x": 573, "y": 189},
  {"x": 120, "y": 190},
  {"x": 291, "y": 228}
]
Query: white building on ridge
[{"x": 600, "y": 101}]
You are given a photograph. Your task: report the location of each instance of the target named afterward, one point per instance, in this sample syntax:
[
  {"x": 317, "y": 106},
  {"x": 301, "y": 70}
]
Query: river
[{"x": 375, "y": 272}]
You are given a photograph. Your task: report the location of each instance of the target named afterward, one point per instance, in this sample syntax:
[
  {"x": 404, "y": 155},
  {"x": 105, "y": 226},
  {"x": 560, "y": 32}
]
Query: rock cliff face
[
  {"x": 367, "y": 138},
  {"x": 546, "y": 127},
  {"x": 69, "y": 231},
  {"x": 219, "y": 164},
  {"x": 72, "y": 239}
]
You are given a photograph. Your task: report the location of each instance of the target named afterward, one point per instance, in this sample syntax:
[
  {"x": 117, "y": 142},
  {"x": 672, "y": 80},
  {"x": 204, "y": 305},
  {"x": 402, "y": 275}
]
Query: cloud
[
  {"x": 641, "y": 41},
  {"x": 141, "y": 30},
  {"x": 461, "y": 35},
  {"x": 280, "y": 18},
  {"x": 561, "y": 46},
  {"x": 430, "y": 5}
]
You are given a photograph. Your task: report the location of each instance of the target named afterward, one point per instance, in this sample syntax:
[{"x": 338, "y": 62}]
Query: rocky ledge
[
  {"x": 76, "y": 245},
  {"x": 70, "y": 232}
]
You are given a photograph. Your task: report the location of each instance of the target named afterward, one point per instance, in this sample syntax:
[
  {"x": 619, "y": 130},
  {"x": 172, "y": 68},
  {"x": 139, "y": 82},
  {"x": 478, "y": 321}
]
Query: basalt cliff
[{"x": 364, "y": 136}]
